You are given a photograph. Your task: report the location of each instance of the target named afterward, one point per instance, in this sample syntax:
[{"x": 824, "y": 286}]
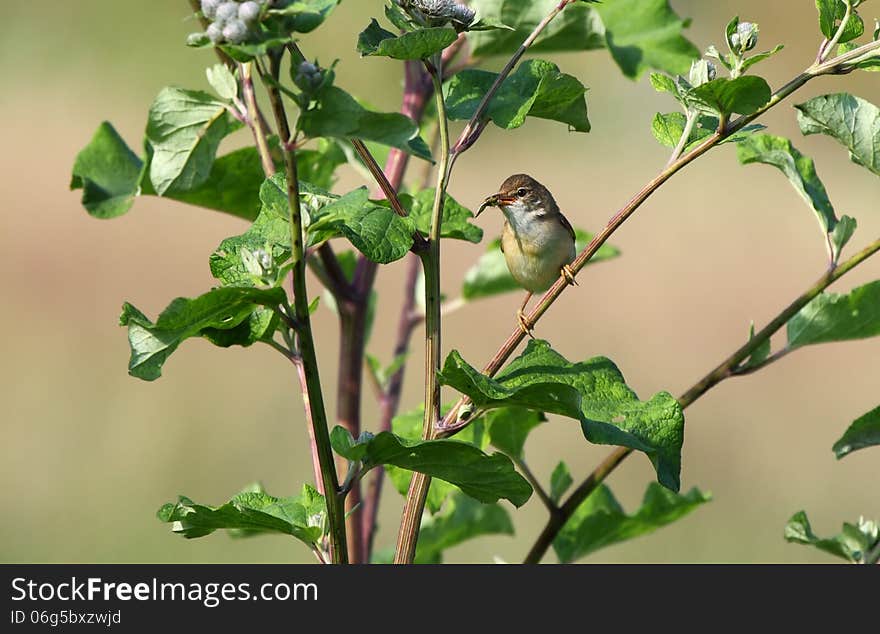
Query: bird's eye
[{"x": 521, "y": 192}]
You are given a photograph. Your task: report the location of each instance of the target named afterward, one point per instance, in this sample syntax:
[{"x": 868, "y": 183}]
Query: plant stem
[
  {"x": 418, "y": 490},
  {"x": 685, "y": 135},
  {"x": 475, "y": 126},
  {"x": 827, "y": 48},
  {"x": 724, "y": 370},
  {"x": 390, "y": 398},
  {"x": 550, "y": 505},
  {"x": 313, "y": 396},
  {"x": 255, "y": 119}
]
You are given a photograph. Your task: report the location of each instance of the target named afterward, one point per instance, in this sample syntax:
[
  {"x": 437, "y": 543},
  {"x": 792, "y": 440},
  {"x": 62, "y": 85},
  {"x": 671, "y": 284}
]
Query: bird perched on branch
[{"x": 537, "y": 240}]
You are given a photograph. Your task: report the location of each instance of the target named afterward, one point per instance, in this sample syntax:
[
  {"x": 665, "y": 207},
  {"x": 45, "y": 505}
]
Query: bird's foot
[
  {"x": 568, "y": 274},
  {"x": 524, "y": 324}
]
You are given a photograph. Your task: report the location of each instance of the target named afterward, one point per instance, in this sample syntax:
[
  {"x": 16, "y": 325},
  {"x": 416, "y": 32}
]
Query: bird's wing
[{"x": 567, "y": 225}]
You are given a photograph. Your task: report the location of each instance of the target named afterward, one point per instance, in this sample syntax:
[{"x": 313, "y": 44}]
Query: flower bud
[
  {"x": 214, "y": 33},
  {"x": 209, "y": 8},
  {"x": 248, "y": 12},
  {"x": 439, "y": 12},
  {"x": 702, "y": 72},
  {"x": 226, "y": 12},
  {"x": 235, "y": 31},
  {"x": 744, "y": 39},
  {"x": 309, "y": 76}
]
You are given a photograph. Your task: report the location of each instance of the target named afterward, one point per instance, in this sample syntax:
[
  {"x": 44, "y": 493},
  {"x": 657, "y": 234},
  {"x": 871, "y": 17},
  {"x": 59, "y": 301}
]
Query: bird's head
[{"x": 521, "y": 195}]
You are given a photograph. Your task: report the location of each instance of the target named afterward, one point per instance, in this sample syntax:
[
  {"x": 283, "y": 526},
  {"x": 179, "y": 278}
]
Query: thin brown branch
[{"x": 724, "y": 370}]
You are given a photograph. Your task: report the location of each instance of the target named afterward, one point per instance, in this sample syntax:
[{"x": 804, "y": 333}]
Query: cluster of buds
[
  {"x": 439, "y": 12},
  {"x": 702, "y": 72},
  {"x": 260, "y": 265},
  {"x": 230, "y": 21},
  {"x": 743, "y": 39}
]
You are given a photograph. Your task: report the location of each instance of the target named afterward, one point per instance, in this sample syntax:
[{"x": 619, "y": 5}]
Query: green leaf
[
  {"x": 668, "y": 128},
  {"x": 854, "y": 122},
  {"x": 593, "y": 392},
  {"x": 852, "y": 544},
  {"x": 455, "y": 218},
  {"x": 510, "y": 426},
  {"x": 111, "y": 176},
  {"x": 799, "y": 169},
  {"x": 463, "y": 518},
  {"x": 420, "y": 44},
  {"x": 340, "y": 116},
  {"x": 560, "y": 481},
  {"x": 841, "y": 234},
  {"x": 577, "y": 28},
  {"x": 257, "y": 512},
  {"x": 760, "y": 57},
  {"x": 479, "y": 475},
  {"x": 759, "y": 355},
  {"x": 600, "y": 521},
  {"x": 318, "y": 166},
  {"x": 270, "y": 233},
  {"x": 184, "y": 128},
  {"x": 374, "y": 230},
  {"x": 490, "y": 275},
  {"x": 743, "y": 95},
  {"x": 108, "y": 172},
  {"x": 224, "y": 316},
  {"x": 864, "y": 432},
  {"x": 222, "y": 81},
  {"x": 409, "y": 425},
  {"x": 837, "y": 317},
  {"x": 642, "y": 34},
  {"x": 831, "y": 14},
  {"x": 536, "y": 89}
]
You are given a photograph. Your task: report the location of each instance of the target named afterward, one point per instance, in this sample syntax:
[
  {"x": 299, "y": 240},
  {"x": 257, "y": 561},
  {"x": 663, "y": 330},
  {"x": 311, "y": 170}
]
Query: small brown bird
[{"x": 537, "y": 240}]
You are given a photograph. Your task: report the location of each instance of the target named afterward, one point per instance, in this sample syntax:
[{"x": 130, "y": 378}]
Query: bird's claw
[
  {"x": 524, "y": 324},
  {"x": 568, "y": 274}
]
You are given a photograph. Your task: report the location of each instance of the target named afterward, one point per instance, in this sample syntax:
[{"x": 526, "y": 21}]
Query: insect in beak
[{"x": 491, "y": 201}]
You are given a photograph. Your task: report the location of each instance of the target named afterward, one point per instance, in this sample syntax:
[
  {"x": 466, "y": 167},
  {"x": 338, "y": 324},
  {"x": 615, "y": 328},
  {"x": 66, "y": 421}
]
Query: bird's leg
[
  {"x": 568, "y": 274},
  {"x": 524, "y": 325}
]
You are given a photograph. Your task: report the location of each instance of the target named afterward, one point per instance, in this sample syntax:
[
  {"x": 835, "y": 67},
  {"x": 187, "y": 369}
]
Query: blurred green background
[{"x": 91, "y": 453}]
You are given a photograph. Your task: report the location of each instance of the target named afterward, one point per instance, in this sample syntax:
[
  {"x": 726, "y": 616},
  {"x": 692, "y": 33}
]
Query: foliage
[{"x": 285, "y": 187}]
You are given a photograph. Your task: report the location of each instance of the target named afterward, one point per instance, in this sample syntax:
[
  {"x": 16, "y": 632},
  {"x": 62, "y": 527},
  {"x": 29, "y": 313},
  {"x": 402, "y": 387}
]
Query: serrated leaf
[
  {"x": 510, "y": 426},
  {"x": 536, "y": 89},
  {"x": 642, "y": 34},
  {"x": 854, "y": 122},
  {"x": 575, "y": 29},
  {"x": 799, "y": 169},
  {"x": 455, "y": 218},
  {"x": 222, "y": 316},
  {"x": 270, "y": 232},
  {"x": 108, "y": 172},
  {"x": 600, "y": 521},
  {"x": 490, "y": 275},
  {"x": 852, "y": 544},
  {"x": 837, "y": 317},
  {"x": 462, "y": 518},
  {"x": 222, "y": 81},
  {"x": 419, "y": 44},
  {"x": 409, "y": 425},
  {"x": 252, "y": 512},
  {"x": 374, "y": 230},
  {"x": 184, "y": 128},
  {"x": 831, "y": 14},
  {"x": 479, "y": 475},
  {"x": 560, "y": 481},
  {"x": 864, "y": 432},
  {"x": 339, "y": 115},
  {"x": 743, "y": 95},
  {"x": 593, "y": 392}
]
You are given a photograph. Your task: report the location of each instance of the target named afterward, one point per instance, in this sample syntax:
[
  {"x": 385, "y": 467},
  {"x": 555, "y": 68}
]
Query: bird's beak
[{"x": 494, "y": 200}]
